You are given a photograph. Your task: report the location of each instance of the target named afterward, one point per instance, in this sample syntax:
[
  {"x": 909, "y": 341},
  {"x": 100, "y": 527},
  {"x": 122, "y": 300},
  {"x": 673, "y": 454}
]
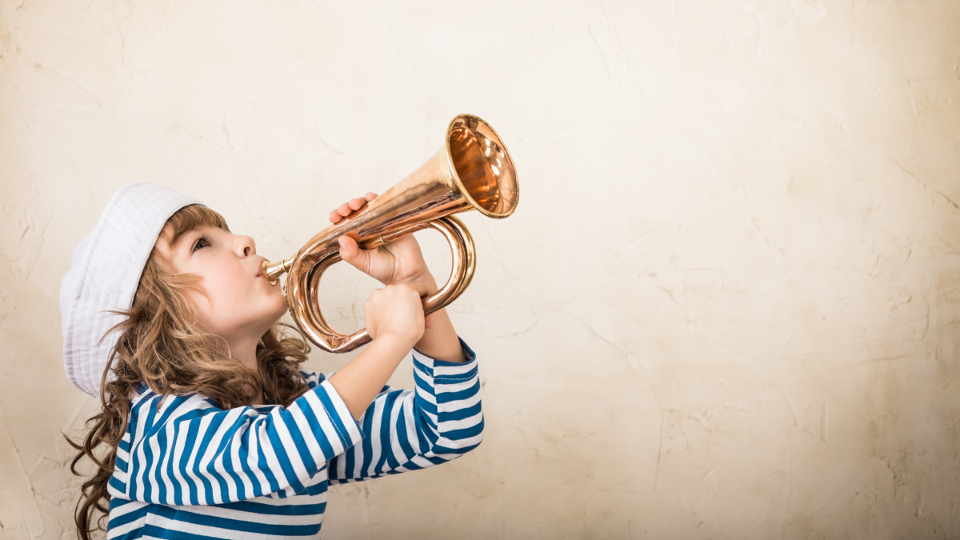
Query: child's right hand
[{"x": 395, "y": 310}]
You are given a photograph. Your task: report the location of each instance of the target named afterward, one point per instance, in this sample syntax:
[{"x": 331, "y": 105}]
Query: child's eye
[{"x": 202, "y": 242}]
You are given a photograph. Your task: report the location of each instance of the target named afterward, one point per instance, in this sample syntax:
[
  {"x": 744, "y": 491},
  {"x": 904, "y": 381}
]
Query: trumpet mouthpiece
[{"x": 275, "y": 270}]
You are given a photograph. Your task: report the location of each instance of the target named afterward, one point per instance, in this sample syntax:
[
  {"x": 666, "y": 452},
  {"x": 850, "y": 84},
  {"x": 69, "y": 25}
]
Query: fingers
[
  {"x": 397, "y": 310},
  {"x": 351, "y": 206},
  {"x": 347, "y": 208}
]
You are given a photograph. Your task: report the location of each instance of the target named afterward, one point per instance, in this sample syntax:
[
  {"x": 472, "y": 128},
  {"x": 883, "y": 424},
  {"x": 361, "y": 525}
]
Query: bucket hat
[{"x": 104, "y": 274}]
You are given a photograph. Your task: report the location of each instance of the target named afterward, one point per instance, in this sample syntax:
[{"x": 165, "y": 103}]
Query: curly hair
[{"x": 162, "y": 345}]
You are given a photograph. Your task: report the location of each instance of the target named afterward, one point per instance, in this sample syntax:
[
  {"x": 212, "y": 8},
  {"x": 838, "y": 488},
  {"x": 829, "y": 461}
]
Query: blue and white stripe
[{"x": 187, "y": 469}]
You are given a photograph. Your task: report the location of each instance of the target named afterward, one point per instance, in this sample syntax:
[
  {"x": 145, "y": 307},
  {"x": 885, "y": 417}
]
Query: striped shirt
[{"x": 187, "y": 469}]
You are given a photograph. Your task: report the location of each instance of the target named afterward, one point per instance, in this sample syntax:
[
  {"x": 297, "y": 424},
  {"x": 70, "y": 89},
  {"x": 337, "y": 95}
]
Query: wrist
[
  {"x": 396, "y": 342},
  {"x": 424, "y": 283}
]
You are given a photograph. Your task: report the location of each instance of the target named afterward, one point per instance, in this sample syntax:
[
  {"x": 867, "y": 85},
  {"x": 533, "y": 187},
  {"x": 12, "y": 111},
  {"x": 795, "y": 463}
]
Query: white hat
[{"x": 104, "y": 275}]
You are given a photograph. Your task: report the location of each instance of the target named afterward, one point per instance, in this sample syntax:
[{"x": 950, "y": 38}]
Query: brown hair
[{"x": 162, "y": 345}]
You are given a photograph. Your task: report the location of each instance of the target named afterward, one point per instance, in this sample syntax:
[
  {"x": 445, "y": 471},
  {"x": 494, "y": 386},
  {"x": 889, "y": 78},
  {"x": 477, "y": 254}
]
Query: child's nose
[{"x": 247, "y": 246}]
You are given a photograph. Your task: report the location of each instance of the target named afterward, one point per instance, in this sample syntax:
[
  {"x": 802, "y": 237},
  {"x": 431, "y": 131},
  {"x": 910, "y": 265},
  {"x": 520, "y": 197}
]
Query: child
[{"x": 207, "y": 428}]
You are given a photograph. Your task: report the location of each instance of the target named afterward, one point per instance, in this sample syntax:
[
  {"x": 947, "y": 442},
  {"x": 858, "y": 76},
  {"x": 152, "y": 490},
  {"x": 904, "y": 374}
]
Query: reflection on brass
[{"x": 473, "y": 171}]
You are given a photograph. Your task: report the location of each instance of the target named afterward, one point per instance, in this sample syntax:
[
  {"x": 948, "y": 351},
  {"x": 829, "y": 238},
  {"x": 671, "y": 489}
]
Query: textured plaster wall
[{"x": 727, "y": 307}]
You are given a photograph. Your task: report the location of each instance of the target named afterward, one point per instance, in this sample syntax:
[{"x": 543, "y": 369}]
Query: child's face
[{"x": 240, "y": 304}]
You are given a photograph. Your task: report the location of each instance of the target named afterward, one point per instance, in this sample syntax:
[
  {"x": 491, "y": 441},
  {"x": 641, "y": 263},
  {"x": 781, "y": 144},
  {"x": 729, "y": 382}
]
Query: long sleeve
[
  {"x": 413, "y": 429},
  {"x": 186, "y": 451}
]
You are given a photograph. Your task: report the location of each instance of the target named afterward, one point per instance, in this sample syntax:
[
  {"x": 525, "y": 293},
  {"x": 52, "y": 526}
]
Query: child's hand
[
  {"x": 400, "y": 261},
  {"x": 395, "y": 311}
]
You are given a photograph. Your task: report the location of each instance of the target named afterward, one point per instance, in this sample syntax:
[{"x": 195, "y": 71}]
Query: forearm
[
  {"x": 440, "y": 340},
  {"x": 359, "y": 382}
]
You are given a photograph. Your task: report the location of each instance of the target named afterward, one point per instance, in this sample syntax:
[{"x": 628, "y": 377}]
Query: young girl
[{"x": 207, "y": 428}]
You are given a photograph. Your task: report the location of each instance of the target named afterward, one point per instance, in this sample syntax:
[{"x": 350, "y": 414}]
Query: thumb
[{"x": 352, "y": 254}]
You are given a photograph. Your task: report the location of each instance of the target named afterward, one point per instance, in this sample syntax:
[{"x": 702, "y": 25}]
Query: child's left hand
[{"x": 400, "y": 261}]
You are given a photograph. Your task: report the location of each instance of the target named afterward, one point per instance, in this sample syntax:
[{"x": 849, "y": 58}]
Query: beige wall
[{"x": 727, "y": 307}]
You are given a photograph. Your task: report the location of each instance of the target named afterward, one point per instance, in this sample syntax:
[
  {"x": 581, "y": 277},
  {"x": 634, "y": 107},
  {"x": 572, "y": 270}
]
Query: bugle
[{"x": 473, "y": 171}]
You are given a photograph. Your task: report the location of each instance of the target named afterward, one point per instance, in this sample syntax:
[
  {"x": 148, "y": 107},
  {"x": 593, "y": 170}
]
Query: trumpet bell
[{"x": 483, "y": 166}]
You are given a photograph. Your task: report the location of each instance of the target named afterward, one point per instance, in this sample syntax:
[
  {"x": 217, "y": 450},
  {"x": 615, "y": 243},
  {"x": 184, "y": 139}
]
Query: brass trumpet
[{"x": 473, "y": 171}]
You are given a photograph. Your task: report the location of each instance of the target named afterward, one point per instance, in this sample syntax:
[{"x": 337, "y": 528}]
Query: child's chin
[{"x": 280, "y": 310}]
